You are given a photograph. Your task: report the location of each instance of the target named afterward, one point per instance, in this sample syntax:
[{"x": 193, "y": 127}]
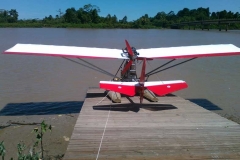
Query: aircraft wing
[
  {"x": 190, "y": 51},
  {"x": 65, "y": 51}
]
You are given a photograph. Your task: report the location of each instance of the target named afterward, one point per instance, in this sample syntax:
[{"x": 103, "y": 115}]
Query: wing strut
[
  {"x": 152, "y": 73},
  {"x": 110, "y": 74},
  {"x": 115, "y": 76},
  {"x": 93, "y": 67},
  {"x": 160, "y": 66}
]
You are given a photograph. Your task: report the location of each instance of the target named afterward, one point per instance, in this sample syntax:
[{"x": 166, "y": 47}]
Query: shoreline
[
  {"x": 101, "y": 26},
  {"x": 54, "y": 143}
]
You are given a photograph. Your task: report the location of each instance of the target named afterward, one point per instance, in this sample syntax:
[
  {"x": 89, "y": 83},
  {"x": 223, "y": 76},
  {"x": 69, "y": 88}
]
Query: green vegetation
[
  {"x": 88, "y": 17},
  {"x": 33, "y": 152},
  {"x": 2, "y": 150},
  {"x": 39, "y": 135},
  {"x": 32, "y": 155}
]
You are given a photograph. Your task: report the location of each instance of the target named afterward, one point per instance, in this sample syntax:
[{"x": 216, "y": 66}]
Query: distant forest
[{"x": 88, "y": 17}]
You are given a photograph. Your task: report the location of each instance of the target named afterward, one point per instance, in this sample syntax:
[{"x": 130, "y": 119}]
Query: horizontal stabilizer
[
  {"x": 162, "y": 88},
  {"x": 65, "y": 51},
  {"x": 127, "y": 88},
  {"x": 190, "y": 51}
]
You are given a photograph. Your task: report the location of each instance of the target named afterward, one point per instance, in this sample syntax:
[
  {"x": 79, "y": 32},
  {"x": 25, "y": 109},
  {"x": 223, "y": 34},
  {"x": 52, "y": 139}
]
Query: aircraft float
[{"x": 129, "y": 83}]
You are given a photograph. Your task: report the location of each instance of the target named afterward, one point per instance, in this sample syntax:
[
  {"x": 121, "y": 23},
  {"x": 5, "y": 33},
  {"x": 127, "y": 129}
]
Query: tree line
[
  {"x": 8, "y": 16},
  {"x": 88, "y": 17}
]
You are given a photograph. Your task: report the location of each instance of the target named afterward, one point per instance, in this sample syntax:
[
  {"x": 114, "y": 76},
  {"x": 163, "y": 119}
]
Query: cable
[
  {"x": 89, "y": 67},
  {"x": 160, "y": 66},
  {"x": 151, "y": 68},
  {"x": 171, "y": 66},
  {"x": 96, "y": 67},
  {"x": 104, "y": 130},
  {"x": 102, "y": 99}
]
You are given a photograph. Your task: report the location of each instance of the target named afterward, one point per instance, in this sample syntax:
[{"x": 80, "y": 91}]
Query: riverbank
[
  {"x": 54, "y": 143},
  {"x": 129, "y": 25},
  {"x": 75, "y": 25}
]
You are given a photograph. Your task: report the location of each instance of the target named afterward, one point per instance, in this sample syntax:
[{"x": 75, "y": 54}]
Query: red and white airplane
[{"x": 128, "y": 83}]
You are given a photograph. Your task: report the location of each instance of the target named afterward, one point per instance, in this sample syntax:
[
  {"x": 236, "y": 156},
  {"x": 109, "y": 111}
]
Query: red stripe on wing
[{"x": 200, "y": 55}]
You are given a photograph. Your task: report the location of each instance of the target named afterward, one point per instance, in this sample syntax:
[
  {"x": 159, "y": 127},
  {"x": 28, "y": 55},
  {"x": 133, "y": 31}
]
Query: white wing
[
  {"x": 65, "y": 51},
  {"x": 190, "y": 51},
  {"x": 152, "y": 53}
]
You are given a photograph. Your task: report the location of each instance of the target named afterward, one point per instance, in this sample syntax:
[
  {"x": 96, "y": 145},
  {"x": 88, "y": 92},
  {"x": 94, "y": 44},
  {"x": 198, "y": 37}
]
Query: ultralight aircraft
[{"x": 128, "y": 83}]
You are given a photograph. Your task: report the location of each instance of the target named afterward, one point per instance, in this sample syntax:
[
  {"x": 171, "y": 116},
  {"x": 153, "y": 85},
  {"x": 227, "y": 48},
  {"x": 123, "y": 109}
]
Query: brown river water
[
  {"x": 33, "y": 88},
  {"x": 49, "y": 79}
]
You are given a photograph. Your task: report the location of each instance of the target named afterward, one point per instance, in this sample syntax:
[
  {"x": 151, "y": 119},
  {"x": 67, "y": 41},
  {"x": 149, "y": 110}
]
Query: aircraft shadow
[
  {"x": 41, "y": 108},
  {"x": 126, "y": 107},
  {"x": 95, "y": 95},
  {"x": 204, "y": 103},
  {"x": 134, "y": 107},
  {"x": 131, "y": 106}
]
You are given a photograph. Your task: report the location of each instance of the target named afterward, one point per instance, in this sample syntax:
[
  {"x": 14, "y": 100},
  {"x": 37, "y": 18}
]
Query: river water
[{"x": 57, "y": 85}]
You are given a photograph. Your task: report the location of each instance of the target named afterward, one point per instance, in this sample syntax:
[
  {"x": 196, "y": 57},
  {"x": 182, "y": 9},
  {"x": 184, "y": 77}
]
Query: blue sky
[{"x": 133, "y": 9}]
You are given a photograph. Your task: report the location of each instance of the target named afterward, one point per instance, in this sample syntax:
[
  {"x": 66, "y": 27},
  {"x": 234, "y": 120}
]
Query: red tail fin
[{"x": 142, "y": 80}]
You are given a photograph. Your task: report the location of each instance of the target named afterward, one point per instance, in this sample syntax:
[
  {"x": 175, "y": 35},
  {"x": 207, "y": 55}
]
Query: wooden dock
[{"x": 173, "y": 128}]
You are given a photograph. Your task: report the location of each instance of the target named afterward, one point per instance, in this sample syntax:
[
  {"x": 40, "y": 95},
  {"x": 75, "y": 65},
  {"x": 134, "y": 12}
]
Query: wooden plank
[{"x": 173, "y": 128}]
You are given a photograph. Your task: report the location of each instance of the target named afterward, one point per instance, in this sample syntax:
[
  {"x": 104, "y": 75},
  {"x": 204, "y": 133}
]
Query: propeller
[
  {"x": 142, "y": 80},
  {"x": 130, "y": 54},
  {"x": 128, "y": 65},
  {"x": 129, "y": 49}
]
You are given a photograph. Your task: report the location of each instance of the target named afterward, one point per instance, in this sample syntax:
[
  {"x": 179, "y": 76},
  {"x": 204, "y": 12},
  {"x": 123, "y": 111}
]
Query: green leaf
[
  {"x": 2, "y": 149},
  {"x": 44, "y": 126},
  {"x": 39, "y": 136},
  {"x": 36, "y": 144},
  {"x": 50, "y": 128},
  {"x": 44, "y": 130}
]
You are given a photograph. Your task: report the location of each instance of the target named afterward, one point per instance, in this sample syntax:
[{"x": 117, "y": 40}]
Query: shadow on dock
[
  {"x": 175, "y": 129},
  {"x": 41, "y": 108},
  {"x": 134, "y": 107},
  {"x": 205, "y": 104},
  {"x": 131, "y": 106},
  {"x": 95, "y": 95}
]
